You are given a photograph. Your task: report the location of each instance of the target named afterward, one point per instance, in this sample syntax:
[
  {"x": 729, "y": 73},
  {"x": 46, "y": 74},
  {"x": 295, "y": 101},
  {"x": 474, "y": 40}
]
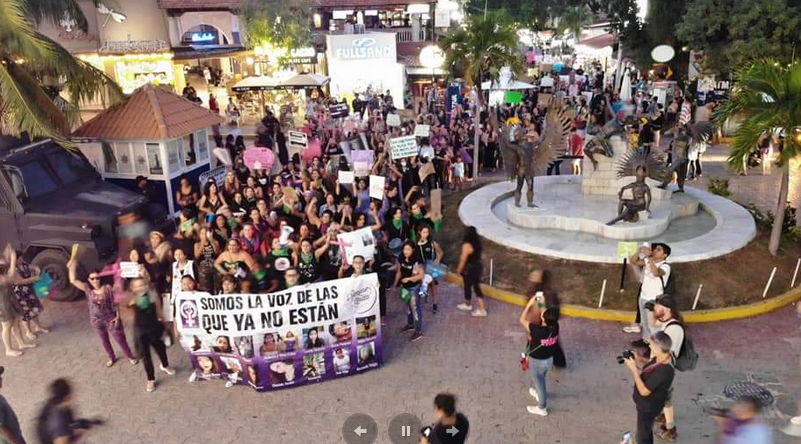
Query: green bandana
[
  {"x": 143, "y": 302},
  {"x": 418, "y": 216},
  {"x": 306, "y": 258},
  {"x": 397, "y": 223},
  {"x": 259, "y": 274},
  {"x": 280, "y": 252}
]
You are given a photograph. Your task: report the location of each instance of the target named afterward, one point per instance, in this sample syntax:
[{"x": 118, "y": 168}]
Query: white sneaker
[
  {"x": 167, "y": 370},
  {"x": 795, "y": 420},
  {"x": 634, "y": 328},
  {"x": 193, "y": 377},
  {"x": 229, "y": 384},
  {"x": 479, "y": 314},
  {"x": 533, "y": 393},
  {"x": 535, "y": 410},
  {"x": 464, "y": 307},
  {"x": 167, "y": 341}
]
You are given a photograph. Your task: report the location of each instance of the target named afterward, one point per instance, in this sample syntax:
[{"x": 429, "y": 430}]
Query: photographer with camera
[
  {"x": 666, "y": 317},
  {"x": 655, "y": 278},
  {"x": 651, "y": 384},
  {"x": 740, "y": 425},
  {"x": 56, "y": 423}
]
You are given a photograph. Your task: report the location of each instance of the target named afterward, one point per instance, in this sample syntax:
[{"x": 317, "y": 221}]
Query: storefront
[{"x": 358, "y": 62}]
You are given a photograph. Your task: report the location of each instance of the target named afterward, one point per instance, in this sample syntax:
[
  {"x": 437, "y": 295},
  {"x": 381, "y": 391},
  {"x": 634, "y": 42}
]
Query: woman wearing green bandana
[
  {"x": 307, "y": 262},
  {"x": 396, "y": 227},
  {"x": 148, "y": 329}
]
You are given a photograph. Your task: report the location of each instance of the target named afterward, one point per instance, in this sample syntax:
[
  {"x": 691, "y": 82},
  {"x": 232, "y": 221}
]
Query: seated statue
[{"x": 629, "y": 209}]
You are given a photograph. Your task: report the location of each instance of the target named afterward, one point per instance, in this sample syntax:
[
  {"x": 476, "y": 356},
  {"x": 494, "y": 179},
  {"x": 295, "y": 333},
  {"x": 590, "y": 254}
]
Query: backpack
[
  {"x": 688, "y": 358},
  {"x": 669, "y": 287}
]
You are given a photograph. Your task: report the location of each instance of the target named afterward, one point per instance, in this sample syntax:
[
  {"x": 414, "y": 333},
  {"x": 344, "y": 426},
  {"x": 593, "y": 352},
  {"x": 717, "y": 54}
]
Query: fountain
[{"x": 571, "y": 215}]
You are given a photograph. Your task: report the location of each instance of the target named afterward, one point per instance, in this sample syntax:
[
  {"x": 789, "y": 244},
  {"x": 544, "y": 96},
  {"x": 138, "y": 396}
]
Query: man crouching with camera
[{"x": 651, "y": 384}]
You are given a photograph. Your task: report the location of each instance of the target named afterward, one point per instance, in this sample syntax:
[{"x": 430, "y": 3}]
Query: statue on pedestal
[
  {"x": 641, "y": 164},
  {"x": 684, "y": 137},
  {"x": 524, "y": 159}
]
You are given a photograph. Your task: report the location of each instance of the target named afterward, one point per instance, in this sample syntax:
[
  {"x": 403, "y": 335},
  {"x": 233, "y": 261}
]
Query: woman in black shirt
[
  {"x": 543, "y": 337},
  {"x": 410, "y": 273},
  {"x": 396, "y": 227},
  {"x": 429, "y": 250},
  {"x": 308, "y": 261}
]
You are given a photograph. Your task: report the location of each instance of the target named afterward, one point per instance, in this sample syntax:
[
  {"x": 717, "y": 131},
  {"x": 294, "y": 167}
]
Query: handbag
[{"x": 405, "y": 295}]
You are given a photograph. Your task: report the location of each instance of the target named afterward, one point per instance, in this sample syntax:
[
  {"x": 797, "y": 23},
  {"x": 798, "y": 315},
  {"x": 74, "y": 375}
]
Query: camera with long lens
[
  {"x": 627, "y": 354},
  {"x": 650, "y": 305}
]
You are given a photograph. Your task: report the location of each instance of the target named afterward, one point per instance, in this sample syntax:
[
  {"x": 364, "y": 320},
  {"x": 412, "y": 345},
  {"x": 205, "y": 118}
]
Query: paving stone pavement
[{"x": 477, "y": 359}]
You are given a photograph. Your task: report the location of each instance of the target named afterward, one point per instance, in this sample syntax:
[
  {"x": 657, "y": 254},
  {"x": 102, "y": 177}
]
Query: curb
[{"x": 696, "y": 316}]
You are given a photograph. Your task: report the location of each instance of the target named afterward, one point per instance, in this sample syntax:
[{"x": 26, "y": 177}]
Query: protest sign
[
  {"x": 403, "y": 147},
  {"x": 259, "y": 158},
  {"x": 338, "y": 111},
  {"x": 362, "y": 162},
  {"x": 345, "y": 177},
  {"x": 357, "y": 243},
  {"x": 377, "y": 187},
  {"x": 425, "y": 170},
  {"x": 305, "y": 334},
  {"x": 543, "y": 99},
  {"x": 217, "y": 173},
  {"x": 393, "y": 120},
  {"x": 298, "y": 139},
  {"x": 422, "y": 130},
  {"x": 513, "y": 97},
  {"x": 436, "y": 204},
  {"x": 129, "y": 270}
]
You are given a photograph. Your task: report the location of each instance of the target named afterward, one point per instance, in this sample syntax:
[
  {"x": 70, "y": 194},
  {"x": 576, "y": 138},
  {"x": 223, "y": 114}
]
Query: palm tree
[
  {"x": 768, "y": 96},
  {"x": 575, "y": 18},
  {"x": 481, "y": 47},
  {"x": 28, "y": 59}
]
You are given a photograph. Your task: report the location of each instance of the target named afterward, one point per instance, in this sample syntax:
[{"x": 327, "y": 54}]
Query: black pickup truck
[{"x": 51, "y": 198}]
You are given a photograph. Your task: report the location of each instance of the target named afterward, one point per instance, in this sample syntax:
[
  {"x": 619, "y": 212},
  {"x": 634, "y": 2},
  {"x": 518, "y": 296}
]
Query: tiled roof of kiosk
[{"x": 150, "y": 112}]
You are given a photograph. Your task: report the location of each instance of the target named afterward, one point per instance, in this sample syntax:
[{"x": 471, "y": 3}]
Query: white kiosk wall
[{"x": 359, "y": 61}]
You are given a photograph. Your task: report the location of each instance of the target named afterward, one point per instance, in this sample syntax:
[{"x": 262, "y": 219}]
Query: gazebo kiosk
[{"x": 153, "y": 133}]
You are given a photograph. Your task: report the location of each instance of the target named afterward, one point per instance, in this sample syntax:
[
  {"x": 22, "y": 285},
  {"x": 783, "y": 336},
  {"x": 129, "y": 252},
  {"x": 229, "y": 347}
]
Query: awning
[
  {"x": 304, "y": 81},
  {"x": 600, "y": 41},
  {"x": 206, "y": 52},
  {"x": 515, "y": 84},
  {"x": 256, "y": 83}
]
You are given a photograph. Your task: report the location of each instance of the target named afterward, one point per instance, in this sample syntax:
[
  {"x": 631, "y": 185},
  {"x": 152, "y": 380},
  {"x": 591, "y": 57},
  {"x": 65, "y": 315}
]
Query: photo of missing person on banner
[
  {"x": 366, "y": 327},
  {"x": 254, "y": 379},
  {"x": 282, "y": 372},
  {"x": 341, "y": 360},
  {"x": 207, "y": 367},
  {"x": 314, "y": 365},
  {"x": 223, "y": 344},
  {"x": 313, "y": 338},
  {"x": 340, "y": 332},
  {"x": 366, "y": 354},
  {"x": 244, "y": 346}
]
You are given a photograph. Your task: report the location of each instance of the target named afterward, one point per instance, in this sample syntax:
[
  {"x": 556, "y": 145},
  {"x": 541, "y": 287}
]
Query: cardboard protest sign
[
  {"x": 543, "y": 99},
  {"x": 422, "y": 130},
  {"x": 217, "y": 173},
  {"x": 298, "y": 139},
  {"x": 393, "y": 120},
  {"x": 436, "y": 204},
  {"x": 259, "y": 158},
  {"x": 357, "y": 243},
  {"x": 362, "y": 162},
  {"x": 403, "y": 147},
  {"x": 305, "y": 334},
  {"x": 129, "y": 270},
  {"x": 377, "y": 187},
  {"x": 345, "y": 177},
  {"x": 425, "y": 170}
]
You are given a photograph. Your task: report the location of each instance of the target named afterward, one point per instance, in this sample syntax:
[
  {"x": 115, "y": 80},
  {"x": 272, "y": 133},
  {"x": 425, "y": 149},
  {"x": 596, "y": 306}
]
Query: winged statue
[
  {"x": 684, "y": 137},
  {"x": 523, "y": 159}
]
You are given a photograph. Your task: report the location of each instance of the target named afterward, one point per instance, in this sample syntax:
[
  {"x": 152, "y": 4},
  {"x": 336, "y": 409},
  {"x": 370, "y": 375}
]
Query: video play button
[{"x": 359, "y": 429}]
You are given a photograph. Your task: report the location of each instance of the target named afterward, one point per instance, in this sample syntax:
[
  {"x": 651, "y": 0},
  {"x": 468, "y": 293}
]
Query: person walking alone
[
  {"x": 543, "y": 337},
  {"x": 470, "y": 268}
]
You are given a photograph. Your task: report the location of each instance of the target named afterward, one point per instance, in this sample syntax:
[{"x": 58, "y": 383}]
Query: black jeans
[
  {"x": 144, "y": 342},
  {"x": 645, "y": 427},
  {"x": 472, "y": 281}
]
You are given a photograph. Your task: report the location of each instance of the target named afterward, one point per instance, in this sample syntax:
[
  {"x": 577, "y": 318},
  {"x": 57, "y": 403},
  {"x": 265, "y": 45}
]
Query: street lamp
[{"x": 432, "y": 58}]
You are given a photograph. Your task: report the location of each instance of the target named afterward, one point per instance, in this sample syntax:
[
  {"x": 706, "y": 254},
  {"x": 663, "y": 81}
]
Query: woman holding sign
[
  {"x": 410, "y": 273},
  {"x": 104, "y": 314}
]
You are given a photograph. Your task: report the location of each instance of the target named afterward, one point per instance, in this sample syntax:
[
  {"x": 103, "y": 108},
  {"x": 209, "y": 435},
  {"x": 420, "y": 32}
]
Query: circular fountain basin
[{"x": 567, "y": 224}]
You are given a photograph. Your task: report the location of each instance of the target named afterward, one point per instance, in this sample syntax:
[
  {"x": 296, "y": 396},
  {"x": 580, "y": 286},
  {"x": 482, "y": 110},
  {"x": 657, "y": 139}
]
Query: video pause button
[{"x": 404, "y": 429}]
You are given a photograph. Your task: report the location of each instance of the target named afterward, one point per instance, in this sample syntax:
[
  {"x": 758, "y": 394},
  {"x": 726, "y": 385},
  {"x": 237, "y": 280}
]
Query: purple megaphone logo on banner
[{"x": 189, "y": 314}]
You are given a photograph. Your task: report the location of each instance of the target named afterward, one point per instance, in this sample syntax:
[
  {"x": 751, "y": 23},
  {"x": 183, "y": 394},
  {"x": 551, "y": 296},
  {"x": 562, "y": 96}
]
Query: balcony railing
[{"x": 402, "y": 34}]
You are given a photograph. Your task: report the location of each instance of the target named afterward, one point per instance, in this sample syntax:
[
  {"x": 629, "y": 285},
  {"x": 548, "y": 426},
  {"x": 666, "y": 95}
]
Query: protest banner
[
  {"x": 362, "y": 162},
  {"x": 422, "y": 130},
  {"x": 393, "y": 120},
  {"x": 217, "y": 173},
  {"x": 339, "y": 111},
  {"x": 345, "y": 177},
  {"x": 403, "y": 147},
  {"x": 358, "y": 243},
  {"x": 259, "y": 158},
  {"x": 305, "y": 334},
  {"x": 298, "y": 139},
  {"x": 377, "y": 187}
]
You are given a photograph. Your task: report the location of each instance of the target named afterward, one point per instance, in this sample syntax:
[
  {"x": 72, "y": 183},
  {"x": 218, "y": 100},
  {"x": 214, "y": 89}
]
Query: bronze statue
[
  {"x": 600, "y": 142},
  {"x": 629, "y": 209},
  {"x": 684, "y": 137},
  {"x": 524, "y": 159}
]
